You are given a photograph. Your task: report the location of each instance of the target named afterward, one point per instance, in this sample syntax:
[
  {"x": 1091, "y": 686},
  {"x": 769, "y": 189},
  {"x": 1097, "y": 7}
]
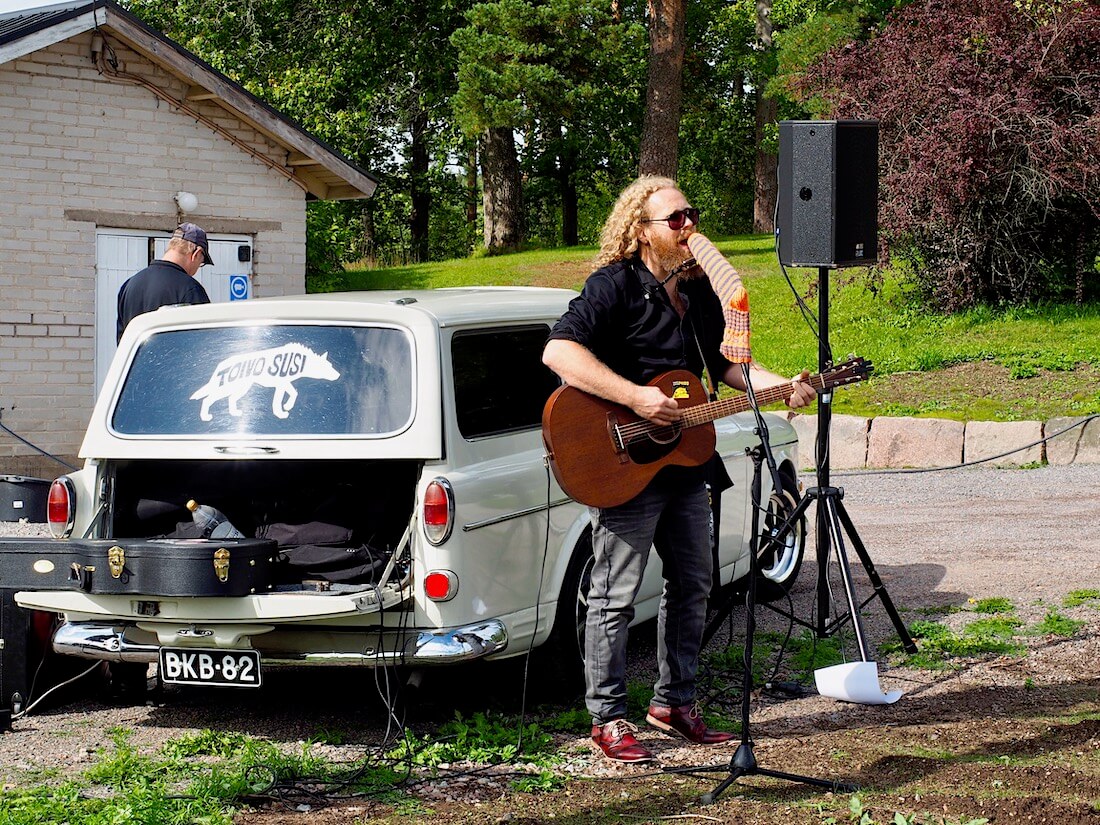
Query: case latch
[
  {"x": 81, "y": 575},
  {"x": 116, "y": 560},
  {"x": 221, "y": 564}
]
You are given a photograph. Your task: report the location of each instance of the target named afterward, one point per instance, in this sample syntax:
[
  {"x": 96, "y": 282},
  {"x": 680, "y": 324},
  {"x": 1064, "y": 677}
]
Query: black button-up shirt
[{"x": 625, "y": 318}]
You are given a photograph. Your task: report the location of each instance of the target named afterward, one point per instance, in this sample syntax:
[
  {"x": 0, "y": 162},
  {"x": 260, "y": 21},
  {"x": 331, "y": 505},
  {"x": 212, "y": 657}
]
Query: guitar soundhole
[{"x": 658, "y": 443}]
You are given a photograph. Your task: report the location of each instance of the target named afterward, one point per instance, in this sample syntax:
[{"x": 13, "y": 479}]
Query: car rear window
[{"x": 269, "y": 380}]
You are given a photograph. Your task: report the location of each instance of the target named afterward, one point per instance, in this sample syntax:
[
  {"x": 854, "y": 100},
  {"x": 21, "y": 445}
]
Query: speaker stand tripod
[
  {"x": 743, "y": 762},
  {"x": 833, "y": 521}
]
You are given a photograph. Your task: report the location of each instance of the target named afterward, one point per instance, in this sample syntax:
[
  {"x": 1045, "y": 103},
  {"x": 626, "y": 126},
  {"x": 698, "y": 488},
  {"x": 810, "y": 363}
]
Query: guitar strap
[{"x": 712, "y": 387}]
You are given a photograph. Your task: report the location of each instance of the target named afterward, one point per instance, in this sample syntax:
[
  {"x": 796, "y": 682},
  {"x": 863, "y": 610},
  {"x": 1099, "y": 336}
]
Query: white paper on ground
[{"x": 854, "y": 682}]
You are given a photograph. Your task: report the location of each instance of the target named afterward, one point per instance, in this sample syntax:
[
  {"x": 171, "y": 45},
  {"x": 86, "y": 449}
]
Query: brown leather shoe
[
  {"x": 616, "y": 740},
  {"x": 686, "y": 721}
]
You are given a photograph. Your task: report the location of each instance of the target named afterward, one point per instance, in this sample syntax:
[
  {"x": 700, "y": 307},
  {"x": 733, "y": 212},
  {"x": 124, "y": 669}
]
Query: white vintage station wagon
[{"x": 381, "y": 454}]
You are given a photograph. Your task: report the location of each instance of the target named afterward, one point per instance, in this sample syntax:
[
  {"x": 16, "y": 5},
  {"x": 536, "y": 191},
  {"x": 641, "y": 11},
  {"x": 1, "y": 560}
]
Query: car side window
[{"x": 500, "y": 381}]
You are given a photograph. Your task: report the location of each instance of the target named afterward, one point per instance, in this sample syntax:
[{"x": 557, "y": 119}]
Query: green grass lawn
[{"x": 1009, "y": 364}]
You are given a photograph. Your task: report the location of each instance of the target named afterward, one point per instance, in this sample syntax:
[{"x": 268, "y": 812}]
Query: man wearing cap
[{"x": 168, "y": 280}]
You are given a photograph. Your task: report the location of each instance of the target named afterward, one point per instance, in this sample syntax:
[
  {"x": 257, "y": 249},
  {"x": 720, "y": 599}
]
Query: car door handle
[{"x": 229, "y": 450}]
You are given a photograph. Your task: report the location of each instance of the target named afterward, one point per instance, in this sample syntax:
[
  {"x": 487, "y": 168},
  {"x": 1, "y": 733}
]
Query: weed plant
[
  {"x": 938, "y": 645},
  {"x": 1076, "y": 598},
  {"x": 197, "y": 778},
  {"x": 1056, "y": 624},
  {"x": 997, "y": 604},
  {"x": 482, "y": 738},
  {"x": 860, "y": 814}
]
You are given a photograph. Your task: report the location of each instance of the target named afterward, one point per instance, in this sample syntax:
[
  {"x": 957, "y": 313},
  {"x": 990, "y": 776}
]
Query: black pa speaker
[{"x": 828, "y": 193}]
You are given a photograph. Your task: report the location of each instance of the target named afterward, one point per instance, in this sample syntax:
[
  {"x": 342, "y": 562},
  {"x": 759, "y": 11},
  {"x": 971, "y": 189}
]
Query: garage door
[{"x": 120, "y": 253}]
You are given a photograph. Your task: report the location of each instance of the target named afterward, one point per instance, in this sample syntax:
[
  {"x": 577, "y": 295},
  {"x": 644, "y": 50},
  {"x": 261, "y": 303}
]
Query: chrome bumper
[
  {"x": 458, "y": 644},
  {"x": 105, "y": 642}
]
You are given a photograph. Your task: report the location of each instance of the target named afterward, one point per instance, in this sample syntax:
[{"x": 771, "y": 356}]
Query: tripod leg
[
  {"x": 876, "y": 582},
  {"x": 711, "y": 797},
  {"x": 846, "y": 576},
  {"x": 837, "y": 787},
  {"x": 824, "y": 551}
]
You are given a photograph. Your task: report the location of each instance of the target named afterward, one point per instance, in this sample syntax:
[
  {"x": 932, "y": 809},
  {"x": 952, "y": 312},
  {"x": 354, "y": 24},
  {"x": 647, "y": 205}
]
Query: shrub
[{"x": 989, "y": 143}]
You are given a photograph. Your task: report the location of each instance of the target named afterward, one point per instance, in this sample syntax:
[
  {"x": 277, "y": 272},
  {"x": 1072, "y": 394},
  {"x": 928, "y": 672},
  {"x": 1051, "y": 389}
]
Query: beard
[{"x": 669, "y": 254}]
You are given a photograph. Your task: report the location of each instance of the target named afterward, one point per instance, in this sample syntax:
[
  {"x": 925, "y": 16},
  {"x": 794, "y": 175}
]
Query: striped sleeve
[{"x": 726, "y": 283}]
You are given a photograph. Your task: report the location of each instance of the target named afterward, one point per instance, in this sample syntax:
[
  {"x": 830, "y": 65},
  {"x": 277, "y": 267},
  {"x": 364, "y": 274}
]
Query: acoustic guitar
[{"x": 603, "y": 454}]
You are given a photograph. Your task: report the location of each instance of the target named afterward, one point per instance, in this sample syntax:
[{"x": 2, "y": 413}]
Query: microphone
[
  {"x": 683, "y": 266},
  {"x": 690, "y": 263}
]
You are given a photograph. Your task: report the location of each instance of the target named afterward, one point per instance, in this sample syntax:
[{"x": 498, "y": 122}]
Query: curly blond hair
[{"x": 619, "y": 239}]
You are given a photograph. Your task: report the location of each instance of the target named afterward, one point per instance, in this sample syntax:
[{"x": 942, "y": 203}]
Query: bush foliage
[{"x": 989, "y": 114}]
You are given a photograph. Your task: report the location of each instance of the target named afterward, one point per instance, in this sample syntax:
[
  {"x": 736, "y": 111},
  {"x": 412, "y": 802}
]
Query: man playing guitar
[{"x": 645, "y": 311}]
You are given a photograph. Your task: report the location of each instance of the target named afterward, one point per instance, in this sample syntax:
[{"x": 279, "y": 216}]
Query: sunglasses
[{"x": 677, "y": 219}]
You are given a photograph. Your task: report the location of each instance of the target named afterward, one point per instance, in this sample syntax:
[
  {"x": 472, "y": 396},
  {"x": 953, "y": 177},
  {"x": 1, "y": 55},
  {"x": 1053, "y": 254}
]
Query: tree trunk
[
  {"x": 419, "y": 188},
  {"x": 661, "y": 129},
  {"x": 765, "y": 187},
  {"x": 502, "y": 190},
  {"x": 471, "y": 193},
  {"x": 567, "y": 189},
  {"x": 471, "y": 185},
  {"x": 366, "y": 239}
]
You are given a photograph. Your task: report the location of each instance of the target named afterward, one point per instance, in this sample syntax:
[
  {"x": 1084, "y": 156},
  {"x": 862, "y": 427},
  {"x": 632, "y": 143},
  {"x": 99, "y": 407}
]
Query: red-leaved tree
[{"x": 989, "y": 114}]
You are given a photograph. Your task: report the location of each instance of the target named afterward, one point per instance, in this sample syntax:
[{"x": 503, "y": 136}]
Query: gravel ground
[{"x": 937, "y": 539}]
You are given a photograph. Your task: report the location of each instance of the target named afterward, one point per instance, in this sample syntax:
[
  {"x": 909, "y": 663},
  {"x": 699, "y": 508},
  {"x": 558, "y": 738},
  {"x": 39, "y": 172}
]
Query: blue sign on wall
[{"x": 238, "y": 287}]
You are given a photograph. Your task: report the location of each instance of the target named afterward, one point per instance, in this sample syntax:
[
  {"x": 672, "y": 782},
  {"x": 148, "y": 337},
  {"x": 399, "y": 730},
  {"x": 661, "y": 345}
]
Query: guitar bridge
[{"x": 615, "y": 434}]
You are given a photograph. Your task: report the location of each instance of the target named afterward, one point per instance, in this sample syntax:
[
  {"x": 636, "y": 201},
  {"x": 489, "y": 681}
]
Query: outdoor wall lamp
[{"x": 186, "y": 202}]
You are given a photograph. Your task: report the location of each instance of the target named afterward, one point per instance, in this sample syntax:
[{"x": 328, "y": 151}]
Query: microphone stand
[{"x": 743, "y": 762}]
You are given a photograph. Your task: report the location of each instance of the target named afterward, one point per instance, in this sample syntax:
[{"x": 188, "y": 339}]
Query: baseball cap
[{"x": 196, "y": 235}]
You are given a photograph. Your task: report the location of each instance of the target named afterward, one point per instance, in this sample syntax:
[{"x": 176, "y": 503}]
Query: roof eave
[{"x": 309, "y": 160}]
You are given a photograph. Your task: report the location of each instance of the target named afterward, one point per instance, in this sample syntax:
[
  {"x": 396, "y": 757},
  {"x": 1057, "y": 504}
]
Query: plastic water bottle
[{"x": 213, "y": 523}]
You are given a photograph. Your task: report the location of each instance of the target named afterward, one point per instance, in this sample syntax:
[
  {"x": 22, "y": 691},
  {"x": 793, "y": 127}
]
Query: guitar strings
[{"x": 637, "y": 430}]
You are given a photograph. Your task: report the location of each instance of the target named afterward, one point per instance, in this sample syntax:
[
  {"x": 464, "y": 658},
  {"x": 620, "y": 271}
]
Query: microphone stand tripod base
[{"x": 743, "y": 762}]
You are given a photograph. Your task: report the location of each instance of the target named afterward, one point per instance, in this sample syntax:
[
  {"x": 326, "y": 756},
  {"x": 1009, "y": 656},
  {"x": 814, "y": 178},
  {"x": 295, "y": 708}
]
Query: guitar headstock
[{"x": 848, "y": 372}]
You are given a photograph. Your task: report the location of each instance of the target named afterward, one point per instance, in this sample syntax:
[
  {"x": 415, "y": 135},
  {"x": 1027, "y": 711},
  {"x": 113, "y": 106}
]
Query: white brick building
[{"x": 102, "y": 122}]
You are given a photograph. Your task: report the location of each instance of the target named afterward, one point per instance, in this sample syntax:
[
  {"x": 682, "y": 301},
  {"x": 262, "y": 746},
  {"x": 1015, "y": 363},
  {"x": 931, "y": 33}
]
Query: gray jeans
[{"x": 676, "y": 520}]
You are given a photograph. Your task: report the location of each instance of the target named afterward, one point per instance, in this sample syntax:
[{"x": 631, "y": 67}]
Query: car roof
[{"x": 456, "y": 305}]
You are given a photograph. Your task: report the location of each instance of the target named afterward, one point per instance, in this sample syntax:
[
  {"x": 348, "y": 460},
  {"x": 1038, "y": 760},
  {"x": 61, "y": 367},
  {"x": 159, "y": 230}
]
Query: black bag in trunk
[
  {"x": 319, "y": 550},
  {"x": 348, "y": 565}
]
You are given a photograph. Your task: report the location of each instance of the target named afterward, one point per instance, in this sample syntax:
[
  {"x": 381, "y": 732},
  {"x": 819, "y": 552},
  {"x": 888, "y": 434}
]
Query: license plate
[{"x": 221, "y": 668}]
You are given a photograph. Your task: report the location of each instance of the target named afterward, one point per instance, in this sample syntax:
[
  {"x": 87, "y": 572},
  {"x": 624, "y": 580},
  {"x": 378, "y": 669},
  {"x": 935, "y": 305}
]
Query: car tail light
[
  {"x": 439, "y": 510},
  {"x": 61, "y": 507},
  {"x": 440, "y": 585}
]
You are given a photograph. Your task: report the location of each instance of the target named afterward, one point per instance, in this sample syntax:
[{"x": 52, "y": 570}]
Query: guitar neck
[{"x": 713, "y": 410}]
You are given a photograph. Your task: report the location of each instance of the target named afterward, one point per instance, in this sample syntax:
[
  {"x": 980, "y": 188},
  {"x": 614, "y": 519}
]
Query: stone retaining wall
[{"x": 856, "y": 442}]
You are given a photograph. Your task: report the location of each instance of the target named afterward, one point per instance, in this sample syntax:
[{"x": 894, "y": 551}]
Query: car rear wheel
[{"x": 778, "y": 563}]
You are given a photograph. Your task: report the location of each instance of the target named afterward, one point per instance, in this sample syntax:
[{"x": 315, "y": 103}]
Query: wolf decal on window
[{"x": 279, "y": 368}]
